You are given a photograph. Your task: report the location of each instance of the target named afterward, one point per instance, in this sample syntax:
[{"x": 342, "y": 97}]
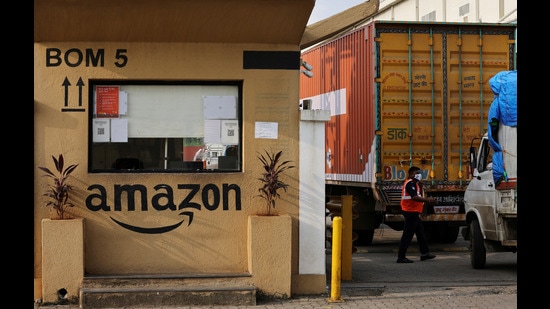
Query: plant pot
[
  {"x": 62, "y": 258},
  {"x": 270, "y": 253}
]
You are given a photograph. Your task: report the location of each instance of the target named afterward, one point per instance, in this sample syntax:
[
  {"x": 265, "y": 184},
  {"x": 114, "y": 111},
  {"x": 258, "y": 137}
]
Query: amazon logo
[{"x": 164, "y": 199}]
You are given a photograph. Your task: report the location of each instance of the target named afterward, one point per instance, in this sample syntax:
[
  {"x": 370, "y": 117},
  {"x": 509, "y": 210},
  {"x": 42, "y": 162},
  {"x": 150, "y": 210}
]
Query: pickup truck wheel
[{"x": 477, "y": 246}]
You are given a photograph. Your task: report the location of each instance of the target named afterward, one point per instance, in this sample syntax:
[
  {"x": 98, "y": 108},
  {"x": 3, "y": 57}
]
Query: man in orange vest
[{"x": 412, "y": 203}]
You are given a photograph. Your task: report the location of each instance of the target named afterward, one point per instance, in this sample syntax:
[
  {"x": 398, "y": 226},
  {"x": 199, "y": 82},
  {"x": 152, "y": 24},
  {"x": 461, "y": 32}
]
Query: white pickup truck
[{"x": 490, "y": 199}]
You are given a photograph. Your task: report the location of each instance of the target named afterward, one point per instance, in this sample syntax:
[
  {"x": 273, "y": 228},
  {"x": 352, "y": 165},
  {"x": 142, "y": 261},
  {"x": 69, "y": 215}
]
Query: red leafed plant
[
  {"x": 58, "y": 191},
  {"x": 273, "y": 169}
]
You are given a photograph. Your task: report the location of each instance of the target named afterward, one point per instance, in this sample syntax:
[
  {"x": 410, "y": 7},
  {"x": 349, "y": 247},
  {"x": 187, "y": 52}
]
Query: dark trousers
[{"x": 413, "y": 225}]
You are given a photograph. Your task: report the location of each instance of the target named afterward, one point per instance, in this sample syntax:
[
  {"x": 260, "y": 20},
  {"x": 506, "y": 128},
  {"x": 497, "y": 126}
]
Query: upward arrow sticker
[{"x": 66, "y": 85}]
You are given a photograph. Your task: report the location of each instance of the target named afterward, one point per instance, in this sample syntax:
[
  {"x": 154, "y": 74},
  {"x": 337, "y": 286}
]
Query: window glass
[
  {"x": 486, "y": 156},
  {"x": 140, "y": 126}
]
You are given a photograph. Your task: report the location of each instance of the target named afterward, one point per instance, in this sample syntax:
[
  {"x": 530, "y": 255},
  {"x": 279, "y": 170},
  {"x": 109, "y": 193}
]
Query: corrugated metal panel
[
  {"x": 342, "y": 66},
  {"x": 434, "y": 95}
]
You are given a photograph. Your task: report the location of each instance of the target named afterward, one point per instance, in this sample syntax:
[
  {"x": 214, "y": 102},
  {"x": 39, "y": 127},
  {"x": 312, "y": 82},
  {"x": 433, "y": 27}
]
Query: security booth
[{"x": 165, "y": 107}]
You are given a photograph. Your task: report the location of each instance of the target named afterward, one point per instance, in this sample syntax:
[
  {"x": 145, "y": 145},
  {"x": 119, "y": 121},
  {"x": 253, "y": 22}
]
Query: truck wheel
[
  {"x": 365, "y": 238},
  {"x": 477, "y": 246},
  {"x": 450, "y": 234},
  {"x": 434, "y": 231},
  {"x": 441, "y": 232}
]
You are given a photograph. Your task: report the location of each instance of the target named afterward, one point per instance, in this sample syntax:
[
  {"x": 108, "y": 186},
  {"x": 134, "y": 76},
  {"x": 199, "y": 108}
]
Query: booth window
[{"x": 153, "y": 126}]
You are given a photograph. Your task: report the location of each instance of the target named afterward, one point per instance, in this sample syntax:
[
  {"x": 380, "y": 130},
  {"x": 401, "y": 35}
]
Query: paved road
[
  {"x": 379, "y": 282},
  {"x": 375, "y": 265}
]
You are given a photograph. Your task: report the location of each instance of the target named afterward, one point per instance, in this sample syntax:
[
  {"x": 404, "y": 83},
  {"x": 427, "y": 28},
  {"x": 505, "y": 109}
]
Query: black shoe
[
  {"x": 427, "y": 257},
  {"x": 404, "y": 260}
]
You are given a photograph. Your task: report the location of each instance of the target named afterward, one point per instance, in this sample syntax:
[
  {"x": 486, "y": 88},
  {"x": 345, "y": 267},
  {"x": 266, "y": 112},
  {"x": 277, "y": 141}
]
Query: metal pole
[
  {"x": 347, "y": 237},
  {"x": 336, "y": 259}
]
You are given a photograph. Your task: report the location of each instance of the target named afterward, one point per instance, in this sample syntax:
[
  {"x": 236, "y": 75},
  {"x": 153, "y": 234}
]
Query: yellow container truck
[{"x": 403, "y": 94}]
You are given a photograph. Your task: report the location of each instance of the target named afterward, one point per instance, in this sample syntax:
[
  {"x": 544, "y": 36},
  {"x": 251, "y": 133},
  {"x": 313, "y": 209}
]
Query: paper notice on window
[
  {"x": 212, "y": 131},
  {"x": 220, "y": 107},
  {"x": 107, "y": 101},
  {"x": 123, "y": 103},
  {"x": 230, "y": 132},
  {"x": 119, "y": 130},
  {"x": 102, "y": 130},
  {"x": 266, "y": 130}
]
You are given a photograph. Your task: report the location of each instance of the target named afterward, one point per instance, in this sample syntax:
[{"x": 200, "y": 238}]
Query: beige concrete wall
[{"x": 216, "y": 241}]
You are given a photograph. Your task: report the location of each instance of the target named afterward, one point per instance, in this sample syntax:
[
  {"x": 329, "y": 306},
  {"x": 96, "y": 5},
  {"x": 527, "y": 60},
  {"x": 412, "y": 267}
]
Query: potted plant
[
  {"x": 62, "y": 239},
  {"x": 58, "y": 191},
  {"x": 273, "y": 168},
  {"x": 270, "y": 234}
]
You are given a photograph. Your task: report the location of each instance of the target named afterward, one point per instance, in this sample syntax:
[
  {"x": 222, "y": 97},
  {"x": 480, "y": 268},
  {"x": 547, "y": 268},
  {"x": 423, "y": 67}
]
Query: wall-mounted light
[
  {"x": 308, "y": 67},
  {"x": 307, "y": 73}
]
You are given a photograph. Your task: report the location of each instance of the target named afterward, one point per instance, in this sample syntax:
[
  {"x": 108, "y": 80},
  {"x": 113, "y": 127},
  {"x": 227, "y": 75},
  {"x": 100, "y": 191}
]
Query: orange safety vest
[{"x": 407, "y": 203}]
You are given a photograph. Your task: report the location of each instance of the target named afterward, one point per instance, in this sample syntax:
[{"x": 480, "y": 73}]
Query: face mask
[{"x": 418, "y": 176}]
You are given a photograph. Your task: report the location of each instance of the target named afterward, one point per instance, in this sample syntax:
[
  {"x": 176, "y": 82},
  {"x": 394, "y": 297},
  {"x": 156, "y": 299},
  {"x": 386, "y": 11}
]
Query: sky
[{"x": 326, "y": 8}]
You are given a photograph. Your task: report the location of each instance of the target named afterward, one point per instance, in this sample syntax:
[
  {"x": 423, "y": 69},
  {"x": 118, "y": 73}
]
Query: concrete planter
[
  {"x": 62, "y": 257},
  {"x": 270, "y": 254}
]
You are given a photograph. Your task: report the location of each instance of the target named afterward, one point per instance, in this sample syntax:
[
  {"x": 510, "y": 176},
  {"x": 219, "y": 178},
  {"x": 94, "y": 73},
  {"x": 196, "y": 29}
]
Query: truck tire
[
  {"x": 477, "y": 246},
  {"x": 450, "y": 234},
  {"x": 441, "y": 232},
  {"x": 365, "y": 238}
]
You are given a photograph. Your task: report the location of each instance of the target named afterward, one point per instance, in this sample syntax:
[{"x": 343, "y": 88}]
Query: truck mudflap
[{"x": 431, "y": 217}]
